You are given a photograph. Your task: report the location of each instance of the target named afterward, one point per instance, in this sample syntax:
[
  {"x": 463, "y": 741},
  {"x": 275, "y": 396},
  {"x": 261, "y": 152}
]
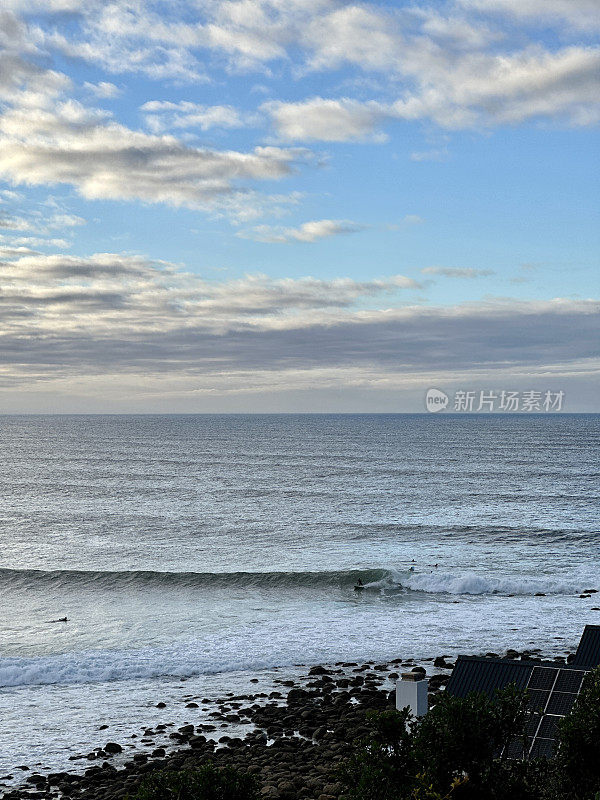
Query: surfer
[
  {"x": 359, "y": 586},
  {"x": 62, "y": 619}
]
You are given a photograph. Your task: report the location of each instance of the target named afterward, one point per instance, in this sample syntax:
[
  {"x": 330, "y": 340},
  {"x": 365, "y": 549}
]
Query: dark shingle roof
[
  {"x": 474, "y": 674},
  {"x": 588, "y": 652}
]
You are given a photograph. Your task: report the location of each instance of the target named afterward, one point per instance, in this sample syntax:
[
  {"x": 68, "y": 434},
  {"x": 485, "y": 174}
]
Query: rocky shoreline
[{"x": 293, "y": 740}]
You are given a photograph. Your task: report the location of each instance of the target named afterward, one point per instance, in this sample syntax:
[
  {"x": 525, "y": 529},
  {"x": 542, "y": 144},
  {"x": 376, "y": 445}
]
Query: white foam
[{"x": 473, "y": 583}]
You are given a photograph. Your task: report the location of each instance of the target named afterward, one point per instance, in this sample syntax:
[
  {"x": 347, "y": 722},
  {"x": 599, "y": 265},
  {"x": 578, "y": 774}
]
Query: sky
[{"x": 297, "y": 205}]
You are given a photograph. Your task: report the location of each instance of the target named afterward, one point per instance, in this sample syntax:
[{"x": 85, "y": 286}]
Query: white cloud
[
  {"x": 307, "y": 232},
  {"x": 447, "y": 64},
  {"x": 67, "y": 317},
  {"x": 163, "y": 115},
  {"x": 366, "y": 36},
  {"x": 320, "y": 119},
  {"x": 134, "y": 293},
  {"x": 457, "y": 272},
  {"x": 580, "y": 14},
  {"x": 477, "y": 90},
  {"x": 103, "y": 89},
  {"x": 435, "y": 154},
  {"x": 103, "y": 159},
  {"x": 40, "y": 223}
]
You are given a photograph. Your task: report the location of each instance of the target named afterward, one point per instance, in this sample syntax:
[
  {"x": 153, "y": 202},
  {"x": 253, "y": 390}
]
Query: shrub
[
  {"x": 451, "y": 752},
  {"x": 383, "y": 768},
  {"x": 578, "y": 759},
  {"x": 455, "y": 752},
  {"x": 461, "y": 738},
  {"x": 206, "y": 783}
]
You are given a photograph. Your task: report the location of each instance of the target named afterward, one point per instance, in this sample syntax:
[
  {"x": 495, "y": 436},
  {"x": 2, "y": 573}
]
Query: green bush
[
  {"x": 455, "y": 752},
  {"x": 206, "y": 783},
  {"x": 579, "y": 743}
]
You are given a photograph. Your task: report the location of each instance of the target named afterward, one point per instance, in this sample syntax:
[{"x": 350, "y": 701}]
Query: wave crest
[{"x": 473, "y": 583}]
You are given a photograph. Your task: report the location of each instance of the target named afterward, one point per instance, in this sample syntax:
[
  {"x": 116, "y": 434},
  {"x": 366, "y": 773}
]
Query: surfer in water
[
  {"x": 359, "y": 586},
  {"x": 62, "y": 619}
]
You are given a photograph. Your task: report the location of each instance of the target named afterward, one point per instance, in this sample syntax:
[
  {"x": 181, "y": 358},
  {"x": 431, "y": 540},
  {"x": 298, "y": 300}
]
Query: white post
[{"x": 411, "y": 691}]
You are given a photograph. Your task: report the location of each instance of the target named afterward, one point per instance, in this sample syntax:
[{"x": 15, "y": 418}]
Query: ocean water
[{"x": 219, "y": 548}]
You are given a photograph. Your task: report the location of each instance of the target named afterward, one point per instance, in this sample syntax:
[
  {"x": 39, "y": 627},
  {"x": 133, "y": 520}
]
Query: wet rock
[
  {"x": 161, "y": 705},
  {"x": 112, "y": 748}
]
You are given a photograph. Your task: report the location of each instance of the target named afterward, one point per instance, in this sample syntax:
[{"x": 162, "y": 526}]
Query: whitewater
[{"x": 222, "y": 549}]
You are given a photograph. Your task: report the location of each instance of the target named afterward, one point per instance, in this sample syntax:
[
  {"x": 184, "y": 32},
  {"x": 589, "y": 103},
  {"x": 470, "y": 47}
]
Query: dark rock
[
  {"x": 112, "y": 748},
  {"x": 161, "y": 705}
]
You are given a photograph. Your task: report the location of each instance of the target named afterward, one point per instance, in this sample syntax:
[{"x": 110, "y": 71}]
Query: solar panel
[
  {"x": 542, "y": 678},
  {"x": 551, "y": 690},
  {"x": 548, "y": 727},
  {"x": 569, "y": 680},
  {"x": 516, "y": 751},
  {"x": 560, "y": 703},
  {"x": 533, "y": 723},
  {"x": 537, "y": 699},
  {"x": 542, "y": 748}
]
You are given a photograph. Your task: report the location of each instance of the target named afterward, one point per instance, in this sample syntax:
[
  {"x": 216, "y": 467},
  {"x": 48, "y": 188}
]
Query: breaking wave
[
  {"x": 375, "y": 579},
  {"x": 473, "y": 583},
  {"x": 14, "y": 578}
]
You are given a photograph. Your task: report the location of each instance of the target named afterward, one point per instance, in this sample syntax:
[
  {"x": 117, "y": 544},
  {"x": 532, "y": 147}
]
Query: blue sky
[{"x": 309, "y": 205}]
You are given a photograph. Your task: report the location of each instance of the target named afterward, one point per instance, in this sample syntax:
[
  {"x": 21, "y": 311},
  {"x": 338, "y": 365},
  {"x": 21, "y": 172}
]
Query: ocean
[{"x": 210, "y": 551}]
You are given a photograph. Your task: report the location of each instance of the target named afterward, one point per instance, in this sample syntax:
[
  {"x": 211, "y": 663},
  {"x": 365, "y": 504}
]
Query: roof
[
  {"x": 474, "y": 674},
  {"x": 552, "y": 689},
  {"x": 588, "y": 652}
]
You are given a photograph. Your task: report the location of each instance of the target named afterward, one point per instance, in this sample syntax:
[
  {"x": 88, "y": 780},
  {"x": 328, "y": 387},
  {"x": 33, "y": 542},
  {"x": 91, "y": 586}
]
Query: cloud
[
  {"x": 41, "y": 223},
  {"x": 457, "y": 272},
  {"x": 68, "y": 315},
  {"x": 110, "y": 297},
  {"x": 579, "y": 14},
  {"x": 162, "y": 115},
  {"x": 451, "y": 65},
  {"x": 366, "y": 36},
  {"x": 474, "y": 90},
  {"x": 103, "y": 89},
  {"x": 320, "y": 119},
  {"x": 429, "y": 155},
  {"x": 102, "y": 159},
  {"x": 307, "y": 232}
]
